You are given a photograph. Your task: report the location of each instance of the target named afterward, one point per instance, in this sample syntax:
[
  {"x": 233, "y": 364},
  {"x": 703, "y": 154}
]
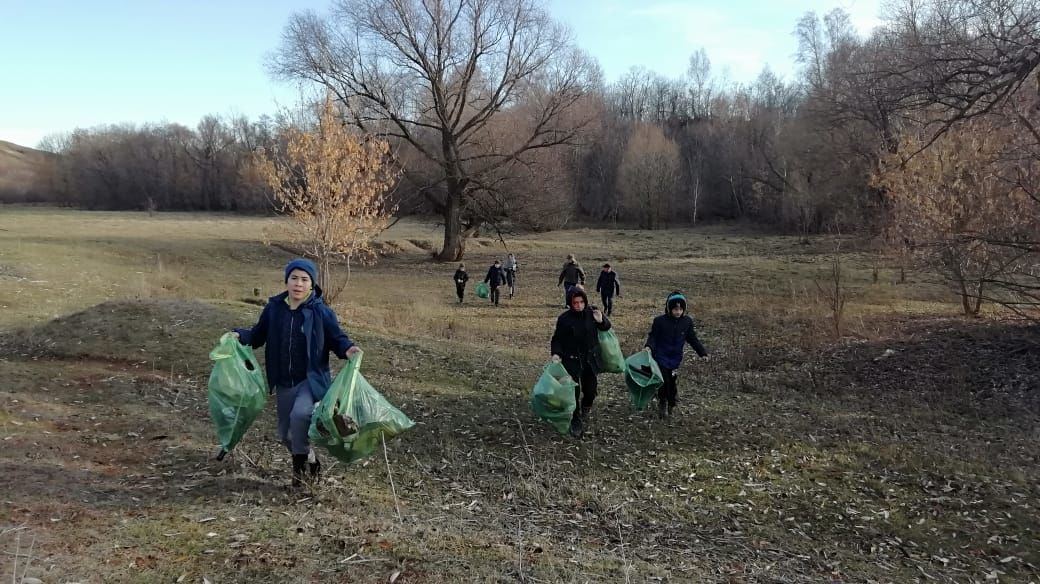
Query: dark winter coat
[
  {"x": 608, "y": 284},
  {"x": 460, "y": 277},
  {"x": 496, "y": 276},
  {"x": 572, "y": 273},
  {"x": 318, "y": 328},
  {"x": 668, "y": 335},
  {"x": 576, "y": 340}
]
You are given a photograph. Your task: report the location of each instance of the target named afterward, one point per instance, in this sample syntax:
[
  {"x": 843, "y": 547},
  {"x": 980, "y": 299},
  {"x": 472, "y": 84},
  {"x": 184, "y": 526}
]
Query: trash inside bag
[
  {"x": 482, "y": 290},
  {"x": 643, "y": 378},
  {"x": 353, "y": 419},
  {"x": 237, "y": 391},
  {"x": 553, "y": 398},
  {"x": 611, "y": 357}
]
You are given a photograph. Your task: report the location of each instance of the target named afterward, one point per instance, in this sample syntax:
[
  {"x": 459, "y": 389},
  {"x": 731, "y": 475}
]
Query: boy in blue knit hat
[
  {"x": 669, "y": 334},
  {"x": 299, "y": 331}
]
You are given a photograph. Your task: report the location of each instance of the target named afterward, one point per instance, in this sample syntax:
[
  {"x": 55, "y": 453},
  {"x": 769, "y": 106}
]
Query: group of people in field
[{"x": 299, "y": 331}]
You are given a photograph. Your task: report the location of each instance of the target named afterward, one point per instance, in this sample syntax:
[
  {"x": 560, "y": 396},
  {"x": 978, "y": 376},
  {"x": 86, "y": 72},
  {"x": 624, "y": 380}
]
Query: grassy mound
[{"x": 162, "y": 333}]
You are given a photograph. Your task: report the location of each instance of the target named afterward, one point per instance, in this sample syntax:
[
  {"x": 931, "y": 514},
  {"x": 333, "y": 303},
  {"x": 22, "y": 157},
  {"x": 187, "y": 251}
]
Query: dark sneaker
[
  {"x": 671, "y": 408},
  {"x": 299, "y": 463},
  {"x": 577, "y": 427},
  {"x": 663, "y": 411}
]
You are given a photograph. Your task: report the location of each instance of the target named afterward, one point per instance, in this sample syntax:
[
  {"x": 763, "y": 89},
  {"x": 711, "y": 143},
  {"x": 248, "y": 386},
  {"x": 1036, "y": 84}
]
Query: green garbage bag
[
  {"x": 643, "y": 378},
  {"x": 552, "y": 398},
  {"x": 482, "y": 290},
  {"x": 352, "y": 419},
  {"x": 237, "y": 391},
  {"x": 610, "y": 355}
]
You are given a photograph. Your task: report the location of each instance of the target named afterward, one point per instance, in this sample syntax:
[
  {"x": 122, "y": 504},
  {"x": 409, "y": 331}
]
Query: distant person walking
[
  {"x": 510, "y": 267},
  {"x": 496, "y": 276},
  {"x": 460, "y": 278},
  {"x": 570, "y": 276},
  {"x": 607, "y": 285}
]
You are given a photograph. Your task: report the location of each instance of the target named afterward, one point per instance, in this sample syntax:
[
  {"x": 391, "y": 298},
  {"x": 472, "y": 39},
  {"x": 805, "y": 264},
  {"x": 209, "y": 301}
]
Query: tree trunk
[{"x": 454, "y": 236}]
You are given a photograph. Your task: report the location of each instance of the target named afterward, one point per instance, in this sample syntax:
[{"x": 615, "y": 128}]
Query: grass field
[{"x": 804, "y": 450}]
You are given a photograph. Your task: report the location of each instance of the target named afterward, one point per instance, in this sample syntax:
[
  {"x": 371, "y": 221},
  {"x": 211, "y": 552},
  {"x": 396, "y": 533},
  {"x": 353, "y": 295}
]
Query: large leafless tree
[{"x": 435, "y": 75}]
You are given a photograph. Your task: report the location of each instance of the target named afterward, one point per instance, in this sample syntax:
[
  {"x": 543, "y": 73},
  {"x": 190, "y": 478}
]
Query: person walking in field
[
  {"x": 299, "y": 331},
  {"x": 669, "y": 334},
  {"x": 510, "y": 267},
  {"x": 460, "y": 278},
  {"x": 495, "y": 278},
  {"x": 570, "y": 276},
  {"x": 607, "y": 285},
  {"x": 575, "y": 343}
]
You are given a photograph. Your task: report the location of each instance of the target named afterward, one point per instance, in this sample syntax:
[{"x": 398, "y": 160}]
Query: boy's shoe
[
  {"x": 299, "y": 463},
  {"x": 577, "y": 427},
  {"x": 663, "y": 410},
  {"x": 671, "y": 408}
]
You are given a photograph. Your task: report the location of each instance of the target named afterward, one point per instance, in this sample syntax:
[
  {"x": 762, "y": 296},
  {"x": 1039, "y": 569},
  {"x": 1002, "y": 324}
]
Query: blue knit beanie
[{"x": 302, "y": 264}]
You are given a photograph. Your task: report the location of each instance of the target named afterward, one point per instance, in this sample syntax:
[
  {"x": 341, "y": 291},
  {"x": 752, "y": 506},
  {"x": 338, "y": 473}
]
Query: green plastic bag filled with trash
[
  {"x": 482, "y": 290},
  {"x": 353, "y": 419},
  {"x": 237, "y": 391},
  {"x": 552, "y": 398},
  {"x": 611, "y": 357},
  {"x": 643, "y": 378}
]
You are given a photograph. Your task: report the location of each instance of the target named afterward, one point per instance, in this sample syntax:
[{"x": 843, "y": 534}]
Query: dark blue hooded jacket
[
  {"x": 668, "y": 335},
  {"x": 319, "y": 330}
]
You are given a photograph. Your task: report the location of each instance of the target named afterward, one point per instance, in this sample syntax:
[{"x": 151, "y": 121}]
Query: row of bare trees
[
  {"x": 166, "y": 167},
  {"x": 925, "y": 131}
]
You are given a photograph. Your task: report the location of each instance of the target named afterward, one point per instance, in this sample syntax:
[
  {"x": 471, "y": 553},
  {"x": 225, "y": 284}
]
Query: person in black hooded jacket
[
  {"x": 669, "y": 334},
  {"x": 460, "y": 277},
  {"x": 575, "y": 343},
  {"x": 495, "y": 278}
]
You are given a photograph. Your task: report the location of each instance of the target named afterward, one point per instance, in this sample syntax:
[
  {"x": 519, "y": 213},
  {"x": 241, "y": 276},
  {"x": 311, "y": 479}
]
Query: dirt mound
[
  {"x": 989, "y": 368},
  {"x": 395, "y": 246},
  {"x": 156, "y": 333}
]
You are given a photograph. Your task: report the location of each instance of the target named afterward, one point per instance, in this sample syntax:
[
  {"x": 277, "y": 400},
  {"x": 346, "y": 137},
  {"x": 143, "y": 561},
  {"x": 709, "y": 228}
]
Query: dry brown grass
[{"x": 797, "y": 457}]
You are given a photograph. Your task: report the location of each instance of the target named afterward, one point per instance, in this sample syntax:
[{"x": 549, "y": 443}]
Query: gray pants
[{"x": 295, "y": 406}]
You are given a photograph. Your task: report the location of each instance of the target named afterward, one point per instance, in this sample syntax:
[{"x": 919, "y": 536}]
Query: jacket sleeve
[
  {"x": 691, "y": 338},
  {"x": 561, "y": 276},
  {"x": 599, "y": 282},
  {"x": 487, "y": 278},
  {"x": 651, "y": 338},
  {"x": 337, "y": 340},
  {"x": 556, "y": 344},
  {"x": 617, "y": 284},
  {"x": 257, "y": 335},
  {"x": 605, "y": 325},
  {"x": 581, "y": 276}
]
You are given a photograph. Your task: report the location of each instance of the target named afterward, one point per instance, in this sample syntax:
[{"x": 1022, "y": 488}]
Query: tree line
[{"x": 924, "y": 132}]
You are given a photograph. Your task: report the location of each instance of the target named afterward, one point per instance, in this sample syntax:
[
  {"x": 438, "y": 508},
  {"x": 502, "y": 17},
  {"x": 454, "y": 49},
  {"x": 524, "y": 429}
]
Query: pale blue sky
[{"x": 80, "y": 63}]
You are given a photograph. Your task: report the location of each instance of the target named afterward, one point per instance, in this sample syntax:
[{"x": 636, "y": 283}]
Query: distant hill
[{"x": 20, "y": 168}]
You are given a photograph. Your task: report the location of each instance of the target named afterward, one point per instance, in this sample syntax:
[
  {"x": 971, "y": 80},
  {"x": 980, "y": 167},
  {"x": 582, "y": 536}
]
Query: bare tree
[
  {"x": 333, "y": 184},
  {"x": 434, "y": 74},
  {"x": 952, "y": 204},
  {"x": 649, "y": 175}
]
